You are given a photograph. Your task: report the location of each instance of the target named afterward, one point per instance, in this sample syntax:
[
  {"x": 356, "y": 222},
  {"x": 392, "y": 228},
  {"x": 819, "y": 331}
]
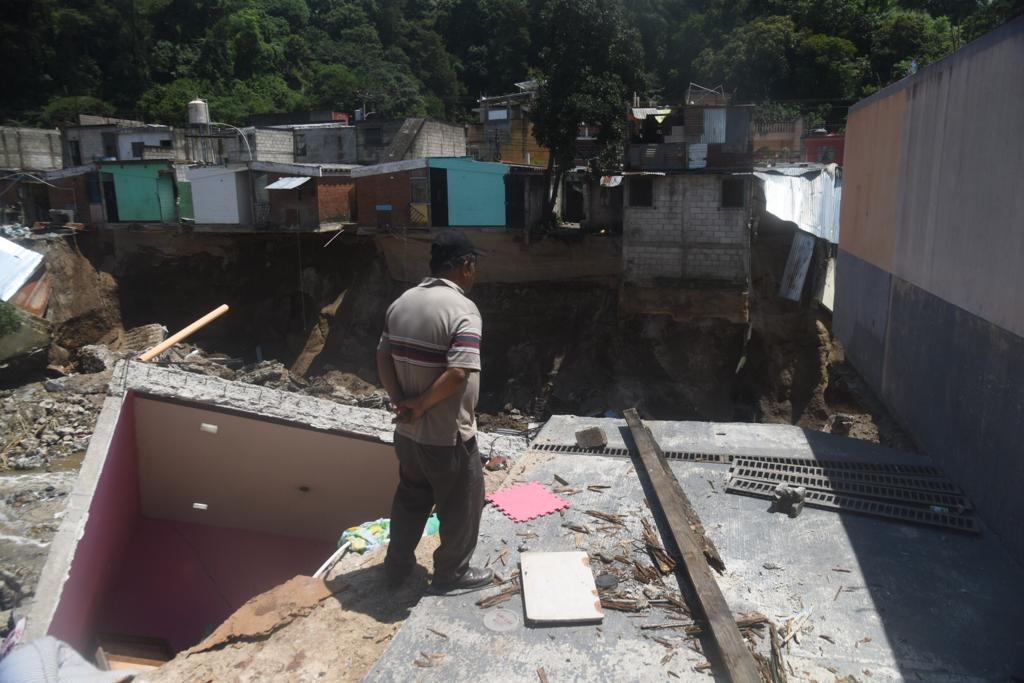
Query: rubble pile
[
  {"x": 46, "y": 422},
  {"x": 331, "y": 384}
]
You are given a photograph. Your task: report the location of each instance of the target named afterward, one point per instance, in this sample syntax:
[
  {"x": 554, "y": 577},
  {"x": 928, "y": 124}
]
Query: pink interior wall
[
  {"x": 113, "y": 512},
  {"x": 178, "y": 580}
]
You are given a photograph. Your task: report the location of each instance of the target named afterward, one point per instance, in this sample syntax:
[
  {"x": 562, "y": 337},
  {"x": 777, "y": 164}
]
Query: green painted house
[
  {"x": 139, "y": 192},
  {"x": 475, "y": 191}
]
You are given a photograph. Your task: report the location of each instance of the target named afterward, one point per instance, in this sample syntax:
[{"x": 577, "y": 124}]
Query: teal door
[{"x": 165, "y": 192}]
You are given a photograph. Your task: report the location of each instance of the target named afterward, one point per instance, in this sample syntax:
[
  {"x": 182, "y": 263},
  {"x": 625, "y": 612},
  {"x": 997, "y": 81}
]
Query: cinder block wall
[
  {"x": 438, "y": 139},
  {"x": 30, "y": 148},
  {"x": 275, "y": 145},
  {"x": 686, "y": 234}
]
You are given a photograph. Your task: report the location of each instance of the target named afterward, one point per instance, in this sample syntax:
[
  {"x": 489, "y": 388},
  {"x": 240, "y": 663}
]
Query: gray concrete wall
[
  {"x": 30, "y": 148},
  {"x": 928, "y": 296},
  {"x": 327, "y": 145},
  {"x": 437, "y": 139},
  {"x": 862, "y": 313},
  {"x": 951, "y": 378},
  {"x": 686, "y": 234},
  {"x": 90, "y": 142},
  {"x": 369, "y": 153}
]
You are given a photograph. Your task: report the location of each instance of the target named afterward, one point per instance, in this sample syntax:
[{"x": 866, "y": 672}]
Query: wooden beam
[{"x": 732, "y": 650}]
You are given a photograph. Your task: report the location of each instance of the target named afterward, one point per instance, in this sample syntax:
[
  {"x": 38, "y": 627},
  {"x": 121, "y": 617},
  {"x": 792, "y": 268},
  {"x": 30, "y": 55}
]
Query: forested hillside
[{"x": 147, "y": 58}]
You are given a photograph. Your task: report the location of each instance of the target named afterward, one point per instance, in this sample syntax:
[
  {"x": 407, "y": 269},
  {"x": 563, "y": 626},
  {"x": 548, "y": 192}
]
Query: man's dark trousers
[{"x": 450, "y": 477}]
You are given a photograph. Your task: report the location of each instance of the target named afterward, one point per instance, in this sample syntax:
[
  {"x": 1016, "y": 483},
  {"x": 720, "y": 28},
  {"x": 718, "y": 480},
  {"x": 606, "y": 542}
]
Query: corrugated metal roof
[
  {"x": 810, "y": 199},
  {"x": 286, "y": 183},
  {"x": 17, "y": 265},
  {"x": 641, "y": 113}
]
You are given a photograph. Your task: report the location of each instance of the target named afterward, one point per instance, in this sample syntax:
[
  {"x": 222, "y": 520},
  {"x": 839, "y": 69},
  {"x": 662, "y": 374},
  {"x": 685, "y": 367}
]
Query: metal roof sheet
[
  {"x": 17, "y": 265},
  {"x": 286, "y": 183}
]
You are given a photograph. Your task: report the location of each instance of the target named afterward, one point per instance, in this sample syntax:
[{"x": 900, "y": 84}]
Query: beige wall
[
  {"x": 932, "y": 181},
  {"x": 250, "y": 472},
  {"x": 871, "y": 180}
]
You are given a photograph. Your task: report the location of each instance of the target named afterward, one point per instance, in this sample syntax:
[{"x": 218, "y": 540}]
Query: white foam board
[{"x": 559, "y": 587}]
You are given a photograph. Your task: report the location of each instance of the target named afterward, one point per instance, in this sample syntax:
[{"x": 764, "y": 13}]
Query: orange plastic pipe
[{"x": 178, "y": 336}]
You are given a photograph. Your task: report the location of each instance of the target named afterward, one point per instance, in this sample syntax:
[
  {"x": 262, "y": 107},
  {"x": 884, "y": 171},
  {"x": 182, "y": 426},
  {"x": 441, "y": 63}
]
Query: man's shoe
[
  {"x": 395, "y": 579},
  {"x": 474, "y": 577}
]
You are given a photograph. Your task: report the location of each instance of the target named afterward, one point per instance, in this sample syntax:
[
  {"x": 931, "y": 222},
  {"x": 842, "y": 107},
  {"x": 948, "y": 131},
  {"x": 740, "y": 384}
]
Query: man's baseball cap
[{"x": 449, "y": 246}]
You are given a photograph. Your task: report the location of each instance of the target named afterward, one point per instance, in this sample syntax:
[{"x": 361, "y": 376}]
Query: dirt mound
[{"x": 84, "y": 305}]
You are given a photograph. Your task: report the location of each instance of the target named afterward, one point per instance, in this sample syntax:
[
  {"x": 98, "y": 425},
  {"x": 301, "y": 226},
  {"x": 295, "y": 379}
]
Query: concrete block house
[{"x": 686, "y": 205}]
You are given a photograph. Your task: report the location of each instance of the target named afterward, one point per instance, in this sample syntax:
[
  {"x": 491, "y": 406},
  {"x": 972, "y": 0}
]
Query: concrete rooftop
[{"x": 887, "y": 600}]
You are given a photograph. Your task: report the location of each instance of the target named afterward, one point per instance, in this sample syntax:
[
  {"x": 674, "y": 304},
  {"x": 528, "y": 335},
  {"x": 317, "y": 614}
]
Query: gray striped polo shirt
[{"x": 428, "y": 329}]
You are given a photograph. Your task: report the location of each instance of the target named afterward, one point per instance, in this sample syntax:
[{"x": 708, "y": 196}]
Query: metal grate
[
  {"x": 862, "y": 477},
  {"x": 847, "y": 469},
  {"x": 831, "y": 501},
  {"x": 624, "y": 453},
  {"x": 844, "y": 486},
  {"x": 893, "y": 468}
]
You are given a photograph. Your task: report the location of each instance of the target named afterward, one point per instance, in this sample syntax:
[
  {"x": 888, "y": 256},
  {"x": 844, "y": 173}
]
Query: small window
[
  {"x": 641, "y": 191},
  {"x": 733, "y": 193},
  {"x": 300, "y": 144},
  {"x": 166, "y": 144},
  {"x": 76, "y": 152},
  {"x": 137, "y": 149},
  {"x": 419, "y": 191},
  {"x": 109, "y": 141},
  {"x": 826, "y": 154}
]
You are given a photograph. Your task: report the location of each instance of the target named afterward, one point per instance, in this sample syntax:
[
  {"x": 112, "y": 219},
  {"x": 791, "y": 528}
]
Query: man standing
[{"x": 429, "y": 362}]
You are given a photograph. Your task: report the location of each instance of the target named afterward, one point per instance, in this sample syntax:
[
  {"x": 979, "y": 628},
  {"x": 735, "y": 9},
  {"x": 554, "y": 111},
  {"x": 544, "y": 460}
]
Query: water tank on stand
[{"x": 198, "y": 113}]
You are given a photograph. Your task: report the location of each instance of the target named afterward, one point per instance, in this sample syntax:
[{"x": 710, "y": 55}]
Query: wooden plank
[{"x": 732, "y": 650}]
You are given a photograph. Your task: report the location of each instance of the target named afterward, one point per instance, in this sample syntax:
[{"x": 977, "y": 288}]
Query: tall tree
[{"x": 591, "y": 61}]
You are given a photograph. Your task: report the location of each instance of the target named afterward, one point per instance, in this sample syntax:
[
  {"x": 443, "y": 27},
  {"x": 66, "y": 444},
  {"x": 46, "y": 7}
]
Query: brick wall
[
  {"x": 336, "y": 197},
  {"x": 73, "y": 193},
  {"x": 686, "y": 234},
  {"x": 30, "y": 148},
  {"x": 386, "y": 188},
  {"x": 438, "y": 139}
]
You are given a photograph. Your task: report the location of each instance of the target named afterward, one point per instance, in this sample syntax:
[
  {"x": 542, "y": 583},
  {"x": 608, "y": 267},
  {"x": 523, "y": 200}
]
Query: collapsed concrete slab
[{"x": 197, "y": 493}]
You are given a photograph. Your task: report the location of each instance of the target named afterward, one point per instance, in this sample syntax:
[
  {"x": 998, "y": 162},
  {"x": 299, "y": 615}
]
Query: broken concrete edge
[
  {"x": 49, "y": 590},
  {"x": 727, "y": 438},
  {"x": 260, "y": 402}
]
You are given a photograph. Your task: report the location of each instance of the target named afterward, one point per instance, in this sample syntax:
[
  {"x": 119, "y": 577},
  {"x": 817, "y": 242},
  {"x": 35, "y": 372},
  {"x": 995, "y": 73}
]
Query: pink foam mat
[{"x": 526, "y": 501}]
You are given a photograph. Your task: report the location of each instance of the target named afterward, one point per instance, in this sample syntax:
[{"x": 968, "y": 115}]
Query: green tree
[
  {"x": 591, "y": 61},
  {"x": 827, "y": 67},
  {"x": 65, "y": 110},
  {"x": 755, "y": 62},
  {"x": 168, "y": 102},
  {"x": 904, "y": 37},
  {"x": 334, "y": 87}
]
